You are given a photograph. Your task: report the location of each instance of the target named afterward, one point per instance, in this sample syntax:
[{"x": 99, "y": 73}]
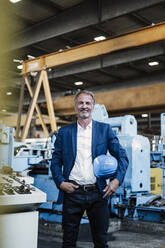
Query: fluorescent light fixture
[
  {"x": 153, "y": 63},
  {"x": 15, "y": 1},
  {"x": 99, "y": 38},
  {"x": 3, "y": 110},
  {"x": 68, "y": 47},
  {"x": 78, "y": 83},
  {"x": 144, "y": 115},
  {"x": 17, "y": 60},
  {"x": 9, "y": 93},
  {"x": 19, "y": 67},
  {"x": 30, "y": 56}
]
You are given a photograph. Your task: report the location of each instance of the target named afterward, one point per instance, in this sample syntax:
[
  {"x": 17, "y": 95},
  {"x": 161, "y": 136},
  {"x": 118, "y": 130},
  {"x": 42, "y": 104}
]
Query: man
[{"x": 76, "y": 146}]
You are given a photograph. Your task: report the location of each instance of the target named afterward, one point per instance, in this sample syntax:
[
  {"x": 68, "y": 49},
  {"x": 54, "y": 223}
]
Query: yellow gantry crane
[{"x": 41, "y": 64}]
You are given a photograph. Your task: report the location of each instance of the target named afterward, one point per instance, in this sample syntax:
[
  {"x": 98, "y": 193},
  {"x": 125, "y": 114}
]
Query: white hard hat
[{"x": 105, "y": 166}]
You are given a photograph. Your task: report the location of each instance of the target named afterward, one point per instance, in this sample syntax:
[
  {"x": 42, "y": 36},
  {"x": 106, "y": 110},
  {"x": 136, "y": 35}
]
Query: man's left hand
[{"x": 111, "y": 187}]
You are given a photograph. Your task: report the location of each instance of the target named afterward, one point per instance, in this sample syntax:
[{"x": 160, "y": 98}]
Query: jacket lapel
[
  {"x": 94, "y": 139},
  {"x": 74, "y": 139}
]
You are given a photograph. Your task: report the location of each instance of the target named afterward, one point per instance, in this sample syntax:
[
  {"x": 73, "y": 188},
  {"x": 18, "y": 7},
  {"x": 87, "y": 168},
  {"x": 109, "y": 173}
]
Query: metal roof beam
[
  {"x": 112, "y": 59},
  {"x": 138, "y": 38},
  {"x": 87, "y": 13}
]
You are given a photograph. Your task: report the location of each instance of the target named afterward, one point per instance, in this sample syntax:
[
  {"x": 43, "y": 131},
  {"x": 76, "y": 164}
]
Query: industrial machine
[
  {"x": 19, "y": 199},
  {"x": 133, "y": 199},
  {"x": 33, "y": 157},
  {"x": 158, "y": 160}
]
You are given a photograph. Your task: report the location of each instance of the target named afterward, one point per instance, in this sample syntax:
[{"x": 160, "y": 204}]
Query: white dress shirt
[{"x": 82, "y": 171}]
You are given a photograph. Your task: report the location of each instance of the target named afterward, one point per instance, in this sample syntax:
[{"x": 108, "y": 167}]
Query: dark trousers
[{"x": 97, "y": 211}]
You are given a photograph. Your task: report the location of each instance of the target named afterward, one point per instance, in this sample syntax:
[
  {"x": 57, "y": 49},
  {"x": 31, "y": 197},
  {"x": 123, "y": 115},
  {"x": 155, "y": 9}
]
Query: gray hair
[{"x": 85, "y": 92}]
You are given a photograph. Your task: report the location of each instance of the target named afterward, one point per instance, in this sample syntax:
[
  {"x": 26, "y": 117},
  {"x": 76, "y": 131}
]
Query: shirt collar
[{"x": 88, "y": 126}]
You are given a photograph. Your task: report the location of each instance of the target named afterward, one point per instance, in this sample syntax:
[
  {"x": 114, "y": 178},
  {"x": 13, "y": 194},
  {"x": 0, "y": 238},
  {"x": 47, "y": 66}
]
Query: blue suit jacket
[{"x": 103, "y": 140}]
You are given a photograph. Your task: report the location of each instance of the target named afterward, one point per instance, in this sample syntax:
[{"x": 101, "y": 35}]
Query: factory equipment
[
  {"x": 19, "y": 199},
  {"x": 156, "y": 181},
  {"x": 158, "y": 159},
  {"x": 22, "y": 155},
  {"x": 133, "y": 199}
]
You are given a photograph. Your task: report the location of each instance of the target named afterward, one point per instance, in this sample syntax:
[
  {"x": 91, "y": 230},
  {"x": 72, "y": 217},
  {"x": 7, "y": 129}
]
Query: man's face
[{"x": 84, "y": 106}]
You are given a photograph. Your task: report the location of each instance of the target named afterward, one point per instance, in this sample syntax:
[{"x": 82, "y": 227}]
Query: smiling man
[
  {"x": 76, "y": 147},
  {"x": 84, "y": 105}
]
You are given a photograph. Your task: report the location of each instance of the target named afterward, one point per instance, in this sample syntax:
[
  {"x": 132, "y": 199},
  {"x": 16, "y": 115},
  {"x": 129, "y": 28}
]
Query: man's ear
[{"x": 93, "y": 107}]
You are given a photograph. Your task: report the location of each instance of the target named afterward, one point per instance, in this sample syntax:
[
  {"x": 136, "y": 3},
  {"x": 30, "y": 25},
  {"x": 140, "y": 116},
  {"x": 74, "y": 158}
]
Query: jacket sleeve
[
  {"x": 119, "y": 153},
  {"x": 57, "y": 162}
]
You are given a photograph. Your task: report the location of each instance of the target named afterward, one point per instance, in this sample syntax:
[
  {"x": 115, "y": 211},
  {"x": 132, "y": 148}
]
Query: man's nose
[{"x": 84, "y": 104}]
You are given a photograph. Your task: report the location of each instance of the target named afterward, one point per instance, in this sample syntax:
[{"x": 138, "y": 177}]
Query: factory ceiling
[{"x": 41, "y": 27}]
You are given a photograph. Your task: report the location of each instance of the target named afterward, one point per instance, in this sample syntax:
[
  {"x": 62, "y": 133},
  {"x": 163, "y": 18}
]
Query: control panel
[{"x": 17, "y": 193}]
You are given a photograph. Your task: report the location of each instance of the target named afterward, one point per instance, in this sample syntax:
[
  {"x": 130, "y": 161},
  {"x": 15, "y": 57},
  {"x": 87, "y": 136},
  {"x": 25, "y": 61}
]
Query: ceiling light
[
  {"x": 9, "y": 93},
  {"x": 30, "y": 56},
  {"x": 14, "y": 1},
  {"x": 68, "y": 47},
  {"x": 78, "y": 83},
  {"x": 153, "y": 63},
  {"x": 17, "y": 60},
  {"x": 99, "y": 38},
  {"x": 3, "y": 110},
  {"x": 20, "y": 67},
  {"x": 144, "y": 115}
]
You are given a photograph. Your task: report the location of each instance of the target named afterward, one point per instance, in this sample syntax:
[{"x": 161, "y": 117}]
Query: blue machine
[
  {"x": 133, "y": 199},
  {"x": 158, "y": 151},
  {"x": 136, "y": 186}
]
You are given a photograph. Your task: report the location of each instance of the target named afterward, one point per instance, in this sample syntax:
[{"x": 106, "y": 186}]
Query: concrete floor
[
  {"x": 142, "y": 235},
  {"x": 122, "y": 239}
]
